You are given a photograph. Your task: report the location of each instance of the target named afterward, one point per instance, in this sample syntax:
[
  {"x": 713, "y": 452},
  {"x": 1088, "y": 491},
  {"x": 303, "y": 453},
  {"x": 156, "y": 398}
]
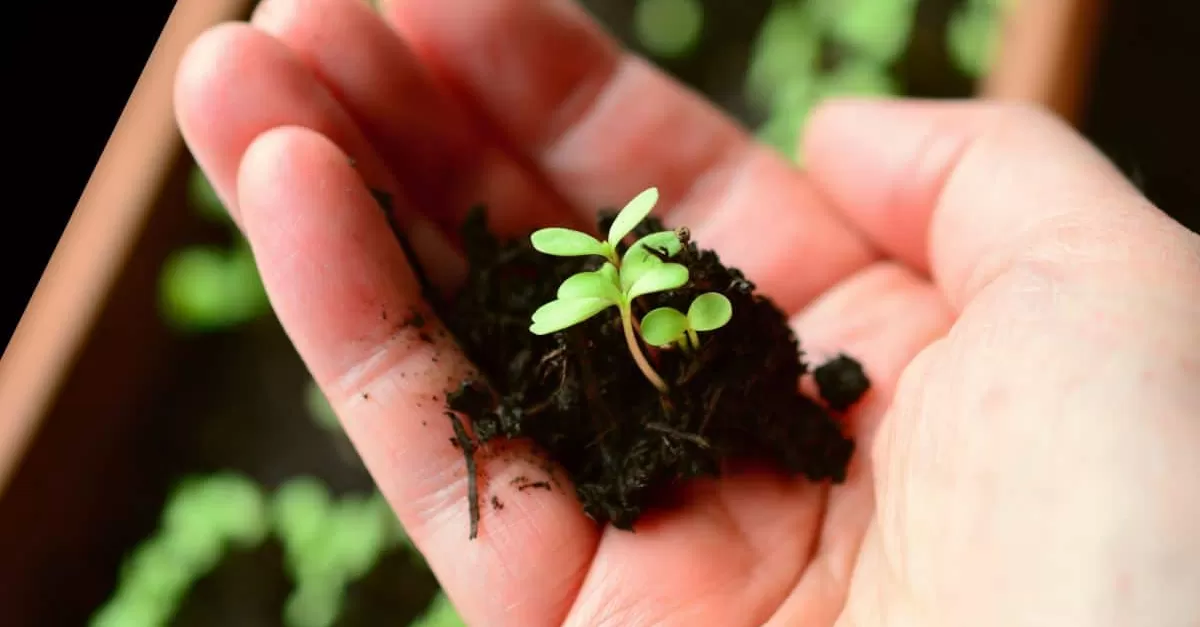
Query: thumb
[{"x": 967, "y": 191}]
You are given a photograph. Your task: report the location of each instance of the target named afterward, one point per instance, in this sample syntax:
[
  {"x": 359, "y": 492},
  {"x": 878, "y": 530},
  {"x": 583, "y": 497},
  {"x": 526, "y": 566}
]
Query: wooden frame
[{"x": 1046, "y": 54}]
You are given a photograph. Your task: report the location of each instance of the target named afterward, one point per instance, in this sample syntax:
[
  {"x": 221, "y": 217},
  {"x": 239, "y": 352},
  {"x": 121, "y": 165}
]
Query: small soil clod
[{"x": 841, "y": 382}]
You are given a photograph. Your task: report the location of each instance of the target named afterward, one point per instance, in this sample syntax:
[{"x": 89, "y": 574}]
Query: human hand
[{"x": 1030, "y": 447}]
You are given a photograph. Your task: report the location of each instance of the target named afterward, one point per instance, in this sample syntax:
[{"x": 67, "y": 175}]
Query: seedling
[
  {"x": 665, "y": 327},
  {"x": 624, "y": 446},
  {"x": 618, "y": 282}
]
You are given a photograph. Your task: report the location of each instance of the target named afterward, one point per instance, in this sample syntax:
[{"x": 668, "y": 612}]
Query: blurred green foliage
[
  {"x": 974, "y": 34},
  {"x": 789, "y": 76},
  {"x": 210, "y": 288},
  {"x": 789, "y": 72},
  {"x": 328, "y": 544},
  {"x": 204, "y": 517},
  {"x": 669, "y": 28}
]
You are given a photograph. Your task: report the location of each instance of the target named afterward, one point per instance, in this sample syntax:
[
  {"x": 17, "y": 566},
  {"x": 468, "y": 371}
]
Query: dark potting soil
[{"x": 579, "y": 397}]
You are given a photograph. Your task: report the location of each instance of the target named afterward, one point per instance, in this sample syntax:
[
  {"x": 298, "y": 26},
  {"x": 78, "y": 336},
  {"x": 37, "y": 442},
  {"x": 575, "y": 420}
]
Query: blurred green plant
[
  {"x": 790, "y": 70},
  {"x": 210, "y": 288},
  {"x": 788, "y": 75},
  {"x": 328, "y": 544},
  {"x": 669, "y": 29},
  {"x": 973, "y": 35},
  {"x": 203, "y": 518}
]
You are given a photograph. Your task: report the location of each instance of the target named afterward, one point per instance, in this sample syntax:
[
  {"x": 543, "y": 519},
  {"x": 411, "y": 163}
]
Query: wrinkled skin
[{"x": 1031, "y": 445}]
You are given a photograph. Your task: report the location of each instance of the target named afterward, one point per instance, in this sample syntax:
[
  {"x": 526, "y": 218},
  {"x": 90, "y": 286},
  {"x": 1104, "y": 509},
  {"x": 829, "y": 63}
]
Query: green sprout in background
[
  {"x": 210, "y": 288},
  {"x": 327, "y": 544},
  {"x": 786, "y": 78},
  {"x": 666, "y": 326},
  {"x": 618, "y": 282},
  {"x": 203, "y": 518},
  {"x": 669, "y": 29},
  {"x": 973, "y": 35}
]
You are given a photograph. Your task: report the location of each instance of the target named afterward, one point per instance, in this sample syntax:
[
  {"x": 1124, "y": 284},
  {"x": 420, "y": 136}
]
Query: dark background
[{"x": 72, "y": 68}]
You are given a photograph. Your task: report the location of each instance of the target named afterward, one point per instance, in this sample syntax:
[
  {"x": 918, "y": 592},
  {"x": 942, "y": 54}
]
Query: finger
[
  {"x": 603, "y": 125},
  {"x": 755, "y": 530},
  {"x": 346, "y": 297},
  {"x": 437, "y": 152},
  {"x": 883, "y": 316},
  {"x": 971, "y": 190},
  {"x": 235, "y": 83}
]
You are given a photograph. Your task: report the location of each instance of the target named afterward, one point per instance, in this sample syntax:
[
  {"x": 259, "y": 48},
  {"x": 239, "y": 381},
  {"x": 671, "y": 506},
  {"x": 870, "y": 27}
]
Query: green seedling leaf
[
  {"x": 636, "y": 264},
  {"x": 663, "y": 241},
  {"x": 639, "y": 260},
  {"x": 663, "y": 326},
  {"x": 299, "y": 510},
  {"x": 973, "y": 36},
  {"x": 562, "y": 242},
  {"x": 610, "y": 272},
  {"x": 709, "y": 311},
  {"x": 557, "y": 315},
  {"x": 204, "y": 288},
  {"x": 599, "y": 284},
  {"x": 668, "y": 28},
  {"x": 666, "y": 276},
  {"x": 857, "y": 77},
  {"x": 786, "y": 50},
  {"x": 879, "y": 29},
  {"x": 632, "y": 214}
]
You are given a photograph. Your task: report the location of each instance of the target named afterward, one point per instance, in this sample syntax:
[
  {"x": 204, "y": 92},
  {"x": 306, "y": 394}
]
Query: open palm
[{"x": 529, "y": 107}]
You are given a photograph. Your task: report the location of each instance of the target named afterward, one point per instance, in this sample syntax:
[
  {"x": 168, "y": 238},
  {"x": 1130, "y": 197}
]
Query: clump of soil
[{"x": 579, "y": 396}]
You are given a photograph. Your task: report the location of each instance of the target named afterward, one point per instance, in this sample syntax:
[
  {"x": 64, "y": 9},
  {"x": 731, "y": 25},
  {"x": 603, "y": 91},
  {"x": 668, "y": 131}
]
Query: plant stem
[
  {"x": 693, "y": 338},
  {"x": 638, "y": 357}
]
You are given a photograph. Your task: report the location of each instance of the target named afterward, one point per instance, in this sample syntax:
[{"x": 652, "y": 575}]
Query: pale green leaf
[
  {"x": 666, "y": 276},
  {"x": 879, "y": 29},
  {"x": 973, "y": 36},
  {"x": 566, "y": 243},
  {"x": 709, "y": 311},
  {"x": 610, "y": 272},
  {"x": 662, "y": 241},
  {"x": 786, "y": 49},
  {"x": 637, "y": 262},
  {"x": 858, "y": 77},
  {"x": 663, "y": 326},
  {"x": 668, "y": 28},
  {"x": 598, "y": 284},
  {"x": 557, "y": 315},
  {"x": 633, "y": 213},
  {"x": 299, "y": 511}
]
